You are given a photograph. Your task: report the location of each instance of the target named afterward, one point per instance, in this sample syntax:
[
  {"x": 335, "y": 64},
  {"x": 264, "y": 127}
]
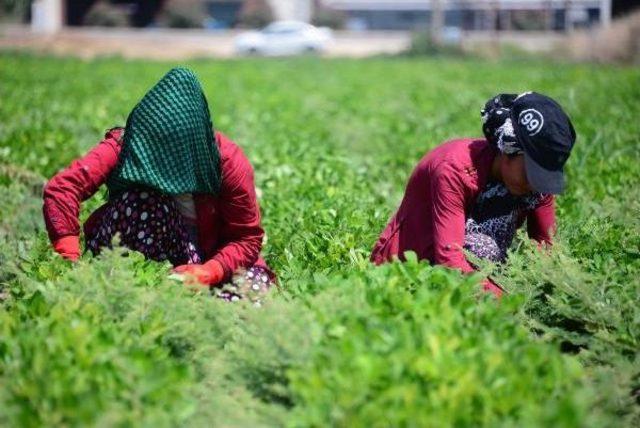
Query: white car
[{"x": 283, "y": 38}]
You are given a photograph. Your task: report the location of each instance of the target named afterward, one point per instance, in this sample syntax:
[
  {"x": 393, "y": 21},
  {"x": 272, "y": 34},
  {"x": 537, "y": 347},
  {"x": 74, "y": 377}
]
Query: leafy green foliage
[
  {"x": 113, "y": 341},
  {"x": 422, "y": 349}
]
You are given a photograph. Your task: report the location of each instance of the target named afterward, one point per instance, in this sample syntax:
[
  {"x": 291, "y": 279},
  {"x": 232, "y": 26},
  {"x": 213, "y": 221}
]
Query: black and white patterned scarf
[{"x": 497, "y": 126}]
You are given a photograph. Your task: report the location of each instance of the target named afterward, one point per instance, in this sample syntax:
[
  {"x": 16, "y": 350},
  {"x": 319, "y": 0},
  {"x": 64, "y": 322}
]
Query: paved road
[
  {"x": 182, "y": 44},
  {"x": 179, "y": 44}
]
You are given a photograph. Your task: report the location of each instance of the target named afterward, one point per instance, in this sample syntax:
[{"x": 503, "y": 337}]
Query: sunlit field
[{"x": 113, "y": 342}]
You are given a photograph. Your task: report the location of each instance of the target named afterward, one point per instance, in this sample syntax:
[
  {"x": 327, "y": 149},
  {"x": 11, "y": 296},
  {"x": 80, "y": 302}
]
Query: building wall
[
  {"x": 298, "y": 10},
  {"x": 389, "y": 19},
  {"x": 471, "y": 15}
]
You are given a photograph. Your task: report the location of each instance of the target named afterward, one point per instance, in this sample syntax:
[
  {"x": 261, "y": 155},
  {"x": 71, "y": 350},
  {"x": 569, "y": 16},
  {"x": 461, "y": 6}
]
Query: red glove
[
  {"x": 68, "y": 247},
  {"x": 210, "y": 273}
]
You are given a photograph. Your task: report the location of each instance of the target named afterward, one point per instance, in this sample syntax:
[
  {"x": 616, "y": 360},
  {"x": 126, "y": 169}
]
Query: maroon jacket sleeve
[
  {"x": 67, "y": 189},
  {"x": 448, "y": 216},
  {"x": 240, "y": 231},
  {"x": 541, "y": 222}
]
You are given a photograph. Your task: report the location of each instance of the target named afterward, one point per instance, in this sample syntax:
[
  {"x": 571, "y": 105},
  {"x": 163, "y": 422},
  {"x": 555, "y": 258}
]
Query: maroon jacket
[
  {"x": 439, "y": 197},
  {"x": 228, "y": 225}
]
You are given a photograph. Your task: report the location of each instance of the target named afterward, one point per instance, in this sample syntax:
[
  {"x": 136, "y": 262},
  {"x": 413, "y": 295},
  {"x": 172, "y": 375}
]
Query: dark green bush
[
  {"x": 423, "y": 44},
  {"x": 255, "y": 14},
  {"x": 104, "y": 14},
  {"x": 14, "y": 10},
  {"x": 325, "y": 17},
  {"x": 181, "y": 14}
]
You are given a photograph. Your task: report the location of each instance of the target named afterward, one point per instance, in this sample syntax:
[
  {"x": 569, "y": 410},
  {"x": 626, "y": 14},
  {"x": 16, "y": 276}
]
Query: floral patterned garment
[{"x": 492, "y": 225}]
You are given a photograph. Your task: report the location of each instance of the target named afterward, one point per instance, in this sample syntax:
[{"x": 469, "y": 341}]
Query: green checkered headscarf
[{"x": 169, "y": 142}]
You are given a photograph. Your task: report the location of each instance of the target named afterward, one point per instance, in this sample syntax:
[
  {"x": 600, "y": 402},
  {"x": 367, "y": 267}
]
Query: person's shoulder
[
  {"x": 458, "y": 153},
  {"x": 459, "y": 149},
  {"x": 116, "y": 133},
  {"x": 464, "y": 161},
  {"x": 232, "y": 157},
  {"x": 227, "y": 147}
]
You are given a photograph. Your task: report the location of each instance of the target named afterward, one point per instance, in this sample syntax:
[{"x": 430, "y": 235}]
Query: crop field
[{"x": 112, "y": 341}]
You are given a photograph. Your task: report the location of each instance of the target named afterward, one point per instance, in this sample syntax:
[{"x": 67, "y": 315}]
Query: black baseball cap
[{"x": 547, "y": 136}]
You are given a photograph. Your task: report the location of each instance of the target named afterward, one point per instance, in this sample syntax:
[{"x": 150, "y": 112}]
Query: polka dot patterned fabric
[
  {"x": 251, "y": 284},
  {"x": 151, "y": 223},
  {"x": 147, "y": 222}
]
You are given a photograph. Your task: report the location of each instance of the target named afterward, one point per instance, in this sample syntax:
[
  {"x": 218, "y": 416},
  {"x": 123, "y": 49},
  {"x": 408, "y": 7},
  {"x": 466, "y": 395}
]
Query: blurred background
[{"x": 591, "y": 30}]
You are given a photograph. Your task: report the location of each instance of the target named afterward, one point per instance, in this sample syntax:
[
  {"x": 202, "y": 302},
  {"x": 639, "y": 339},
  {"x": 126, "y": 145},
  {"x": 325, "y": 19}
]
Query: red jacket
[
  {"x": 439, "y": 197},
  {"x": 228, "y": 225}
]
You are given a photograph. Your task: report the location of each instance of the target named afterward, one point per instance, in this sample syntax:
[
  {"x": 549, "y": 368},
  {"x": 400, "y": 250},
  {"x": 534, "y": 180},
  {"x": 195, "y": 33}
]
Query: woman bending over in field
[
  {"x": 178, "y": 191},
  {"x": 472, "y": 194}
]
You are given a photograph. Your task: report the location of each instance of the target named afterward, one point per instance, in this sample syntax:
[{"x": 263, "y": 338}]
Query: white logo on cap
[{"x": 532, "y": 120}]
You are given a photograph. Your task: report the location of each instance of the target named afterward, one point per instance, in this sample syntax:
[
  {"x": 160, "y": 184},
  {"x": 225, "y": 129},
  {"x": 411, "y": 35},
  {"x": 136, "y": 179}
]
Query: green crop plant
[{"x": 112, "y": 341}]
